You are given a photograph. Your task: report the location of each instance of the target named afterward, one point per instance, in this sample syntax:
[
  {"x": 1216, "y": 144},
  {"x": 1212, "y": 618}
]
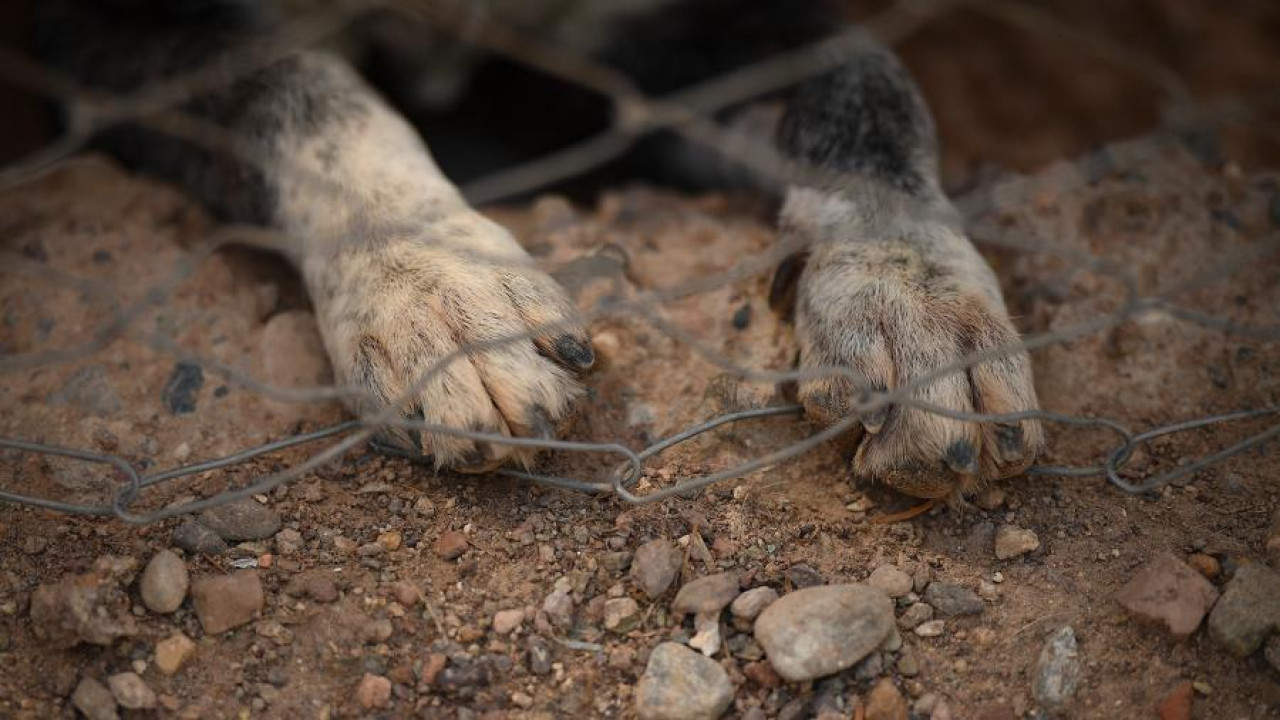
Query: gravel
[
  {"x": 164, "y": 583},
  {"x": 680, "y": 684},
  {"x": 818, "y": 631}
]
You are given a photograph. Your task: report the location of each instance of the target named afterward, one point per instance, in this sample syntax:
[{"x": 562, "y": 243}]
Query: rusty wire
[{"x": 690, "y": 113}]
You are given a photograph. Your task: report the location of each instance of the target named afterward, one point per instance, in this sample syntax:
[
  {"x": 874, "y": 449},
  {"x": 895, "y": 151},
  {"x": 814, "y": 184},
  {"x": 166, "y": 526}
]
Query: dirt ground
[{"x": 368, "y": 526}]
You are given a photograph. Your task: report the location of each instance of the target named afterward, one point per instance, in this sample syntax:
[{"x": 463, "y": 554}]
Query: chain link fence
[{"x": 691, "y": 114}]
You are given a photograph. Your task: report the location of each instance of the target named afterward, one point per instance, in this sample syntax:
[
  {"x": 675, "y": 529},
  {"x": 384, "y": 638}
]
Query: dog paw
[
  {"x": 458, "y": 329},
  {"x": 893, "y": 303}
]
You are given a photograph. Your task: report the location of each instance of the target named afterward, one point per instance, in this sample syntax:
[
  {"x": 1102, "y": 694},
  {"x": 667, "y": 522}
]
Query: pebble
[
  {"x": 680, "y": 684},
  {"x": 506, "y": 622},
  {"x": 708, "y": 594},
  {"x": 885, "y": 702},
  {"x": 894, "y": 582},
  {"x": 1249, "y": 610},
  {"x": 224, "y": 602},
  {"x": 908, "y": 665},
  {"x": 131, "y": 692},
  {"x": 1012, "y": 541},
  {"x": 197, "y": 539},
  {"x": 451, "y": 545},
  {"x": 950, "y": 599},
  {"x": 244, "y": 519},
  {"x": 1177, "y": 704},
  {"x": 321, "y": 589},
  {"x": 164, "y": 583},
  {"x": 94, "y": 700},
  {"x": 621, "y": 615},
  {"x": 655, "y": 566},
  {"x": 559, "y": 609},
  {"x": 762, "y": 674},
  {"x": 915, "y": 615},
  {"x": 932, "y": 628},
  {"x": 407, "y": 594},
  {"x": 1206, "y": 565},
  {"x": 173, "y": 652},
  {"x": 1167, "y": 591},
  {"x": 1057, "y": 670},
  {"x": 749, "y": 604},
  {"x": 818, "y": 631},
  {"x": 289, "y": 541},
  {"x": 374, "y": 691},
  {"x": 707, "y": 637}
]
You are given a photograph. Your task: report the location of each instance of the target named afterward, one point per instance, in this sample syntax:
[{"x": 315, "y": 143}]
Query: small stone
[
  {"x": 884, "y": 702},
  {"x": 706, "y": 638},
  {"x": 94, "y": 700},
  {"x": 374, "y": 691},
  {"x": 182, "y": 390},
  {"x": 131, "y": 692},
  {"x": 894, "y": 582},
  {"x": 451, "y": 545},
  {"x": 506, "y": 622},
  {"x": 762, "y": 674},
  {"x": 621, "y": 615},
  {"x": 405, "y": 593},
  {"x": 949, "y": 599},
  {"x": 538, "y": 657},
  {"x": 915, "y": 614},
  {"x": 818, "y": 631},
  {"x": 227, "y": 601},
  {"x": 1057, "y": 670},
  {"x": 1012, "y": 541},
  {"x": 749, "y": 604},
  {"x": 800, "y": 576},
  {"x": 559, "y": 609},
  {"x": 390, "y": 541},
  {"x": 197, "y": 539},
  {"x": 622, "y": 657},
  {"x": 1248, "y": 611},
  {"x": 1177, "y": 704},
  {"x": 932, "y": 628},
  {"x": 680, "y": 684},
  {"x": 1169, "y": 592},
  {"x": 244, "y": 519},
  {"x": 1206, "y": 565},
  {"x": 321, "y": 589},
  {"x": 708, "y": 594},
  {"x": 173, "y": 652},
  {"x": 908, "y": 665},
  {"x": 289, "y": 541},
  {"x": 521, "y": 700},
  {"x": 655, "y": 566},
  {"x": 164, "y": 583}
]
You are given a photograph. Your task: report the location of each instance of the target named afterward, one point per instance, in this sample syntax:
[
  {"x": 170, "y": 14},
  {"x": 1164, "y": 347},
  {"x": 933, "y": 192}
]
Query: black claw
[
  {"x": 1009, "y": 440},
  {"x": 574, "y": 352},
  {"x": 962, "y": 457}
]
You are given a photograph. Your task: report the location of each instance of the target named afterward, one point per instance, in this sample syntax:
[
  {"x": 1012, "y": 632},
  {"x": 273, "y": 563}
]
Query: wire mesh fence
[{"x": 690, "y": 113}]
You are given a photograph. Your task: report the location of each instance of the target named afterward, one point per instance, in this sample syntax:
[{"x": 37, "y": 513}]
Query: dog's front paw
[
  {"x": 458, "y": 330},
  {"x": 893, "y": 304}
]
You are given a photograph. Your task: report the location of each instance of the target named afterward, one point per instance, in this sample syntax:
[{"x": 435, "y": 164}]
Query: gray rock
[
  {"x": 1057, "y": 671},
  {"x": 823, "y": 630},
  {"x": 1248, "y": 611},
  {"x": 94, "y": 700},
  {"x": 708, "y": 594},
  {"x": 680, "y": 684},
  {"x": 131, "y": 692},
  {"x": 655, "y": 566},
  {"x": 893, "y": 581},
  {"x": 164, "y": 583},
  {"x": 244, "y": 519},
  {"x": 750, "y": 603},
  {"x": 195, "y": 538},
  {"x": 951, "y": 599},
  {"x": 224, "y": 602}
]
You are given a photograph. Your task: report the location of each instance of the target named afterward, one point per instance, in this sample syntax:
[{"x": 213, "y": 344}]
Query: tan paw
[
  {"x": 393, "y": 315},
  {"x": 894, "y": 301}
]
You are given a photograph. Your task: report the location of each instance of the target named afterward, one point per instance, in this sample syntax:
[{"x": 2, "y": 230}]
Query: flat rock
[
  {"x": 244, "y": 519},
  {"x": 751, "y": 603},
  {"x": 893, "y": 581},
  {"x": 94, "y": 700},
  {"x": 224, "y": 602},
  {"x": 1168, "y": 591},
  {"x": 655, "y": 566},
  {"x": 1012, "y": 541},
  {"x": 708, "y": 594},
  {"x": 198, "y": 539},
  {"x": 1249, "y": 610},
  {"x": 950, "y": 599},
  {"x": 1057, "y": 670},
  {"x": 680, "y": 684},
  {"x": 823, "y": 630},
  {"x": 164, "y": 583},
  {"x": 131, "y": 692},
  {"x": 885, "y": 702}
]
